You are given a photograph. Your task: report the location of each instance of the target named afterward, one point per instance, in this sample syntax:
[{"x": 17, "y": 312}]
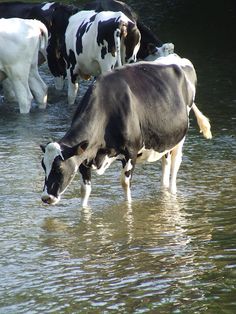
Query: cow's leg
[
  {"x": 8, "y": 91},
  {"x": 126, "y": 176},
  {"x": 176, "y": 159},
  {"x": 85, "y": 185},
  {"x": 73, "y": 87},
  {"x": 18, "y": 77},
  {"x": 37, "y": 86},
  {"x": 59, "y": 82},
  {"x": 166, "y": 164}
]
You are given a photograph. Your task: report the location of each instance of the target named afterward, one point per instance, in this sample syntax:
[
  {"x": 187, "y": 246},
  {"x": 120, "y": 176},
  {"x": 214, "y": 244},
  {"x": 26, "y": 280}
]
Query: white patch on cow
[
  {"x": 53, "y": 200},
  {"x": 128, "y": 166},
  {"x": 125, "y": 180},
  {"x": 166, "y": 164},
  {"x": 105, "y": 164},
  {"x": 47, "y": 6},
  {"x": 176, "y": 159},
  {"x": 173, "y": 59},
  {"x": 149, "y": 155},
  {"x": 163, "y": 51},
  {"x": 51, "y": 152}
]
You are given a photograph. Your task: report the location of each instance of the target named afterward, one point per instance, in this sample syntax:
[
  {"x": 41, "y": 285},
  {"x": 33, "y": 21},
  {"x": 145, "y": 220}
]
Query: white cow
[{"x": 20, "y": 42}]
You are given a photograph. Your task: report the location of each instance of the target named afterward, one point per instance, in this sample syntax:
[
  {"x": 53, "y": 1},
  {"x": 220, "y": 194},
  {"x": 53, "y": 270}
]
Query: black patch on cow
[
  {"x": 85, "y": 171},
  {"x": 92, "y": 18},
  {"x": 79, "y": 35},
  {"x": 103, "y": 52},
  {"x": 106, "y": 31},
  {"x": 72, "y": 61},
  {"x": 56, "y": 46},
  {"x": 83, "y": 28}
]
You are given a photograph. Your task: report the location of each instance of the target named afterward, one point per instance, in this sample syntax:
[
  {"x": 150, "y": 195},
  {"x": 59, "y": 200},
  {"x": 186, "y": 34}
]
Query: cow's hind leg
[
  {"x": 126, "y": 176},
  {"x": 85, "y": 185},
  {"x": 166, "y": 164},
  {"x": 8, "y": 91},
  {"x": 38, "y": 87},
  {"x": 73, "y": 87},
  {"x": 22, "y": 91},
  {"x": 176, "y": 159}
]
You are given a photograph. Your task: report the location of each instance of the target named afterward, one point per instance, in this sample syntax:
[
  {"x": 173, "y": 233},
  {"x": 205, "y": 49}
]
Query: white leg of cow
[
  {"x": 85, "y": 185},
  {"x": 22, "y": 91},
  {"x": 18, "y": 76},
  {"x": 85, "y": 193},
  {"x": 8, "y": 91},
  {"x": 23, "y": 95},
  {"x": 72, "y": 89},
  {"x": 126, "y": 180},
  {"x": 176, "y": 159},
  {"x": 166, "y": 164},
  {"x": 59, "y": 82},
  {"x": 38, "y": 87}
]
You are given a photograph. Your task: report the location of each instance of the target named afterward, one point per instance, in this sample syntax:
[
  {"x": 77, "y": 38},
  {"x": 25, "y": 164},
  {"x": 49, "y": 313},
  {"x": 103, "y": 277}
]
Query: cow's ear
[
  {"x": 78, "y": 149},
  {"x": 42, "y": 148}
]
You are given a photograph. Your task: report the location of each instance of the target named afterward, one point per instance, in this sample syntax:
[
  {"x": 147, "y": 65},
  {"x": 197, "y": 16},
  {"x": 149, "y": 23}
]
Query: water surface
[{"x": 162, "y": 254}]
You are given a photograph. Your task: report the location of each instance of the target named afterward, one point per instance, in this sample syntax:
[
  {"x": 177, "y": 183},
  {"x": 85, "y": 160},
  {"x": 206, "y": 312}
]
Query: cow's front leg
[
  {"x": 85, "y": 185},
  {"x": 126, "y": 176}
]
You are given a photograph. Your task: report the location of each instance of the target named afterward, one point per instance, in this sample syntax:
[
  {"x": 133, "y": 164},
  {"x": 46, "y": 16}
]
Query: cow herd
[
  {"x": 75, "y": 44},
  {"x": 136, "y": 110}
]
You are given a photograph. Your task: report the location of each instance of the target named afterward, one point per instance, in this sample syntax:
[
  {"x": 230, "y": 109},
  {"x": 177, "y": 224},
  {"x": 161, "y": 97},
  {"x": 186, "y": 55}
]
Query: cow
[
  {"x": 149, "y": 43},
  {"x": 95, "y": 43},
  {"x": 26, "y": 10},
  {"x": 23, "y": 39},
  {"x": 40, "y": 11},
  {"x": 136, "y": 113}
]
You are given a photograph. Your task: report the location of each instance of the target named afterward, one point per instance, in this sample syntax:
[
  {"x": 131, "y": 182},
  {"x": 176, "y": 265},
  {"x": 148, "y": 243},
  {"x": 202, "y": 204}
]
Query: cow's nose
[{"x": 49, "y": 199}]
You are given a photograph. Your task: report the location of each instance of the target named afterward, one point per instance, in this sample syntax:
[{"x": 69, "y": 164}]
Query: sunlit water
[{"x": 162, "y": 254}]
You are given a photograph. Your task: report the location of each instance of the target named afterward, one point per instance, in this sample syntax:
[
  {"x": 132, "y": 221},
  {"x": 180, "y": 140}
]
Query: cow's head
[
  {"x": 132, "y": 38},
  {"x": 60, "y": 164}
]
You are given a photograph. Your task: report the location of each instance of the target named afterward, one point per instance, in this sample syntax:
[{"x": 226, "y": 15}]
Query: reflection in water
[{"x": 147, "y": 246}]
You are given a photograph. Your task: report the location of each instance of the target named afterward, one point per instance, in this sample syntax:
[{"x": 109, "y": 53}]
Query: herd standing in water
[{"x": 137, "y": 109}]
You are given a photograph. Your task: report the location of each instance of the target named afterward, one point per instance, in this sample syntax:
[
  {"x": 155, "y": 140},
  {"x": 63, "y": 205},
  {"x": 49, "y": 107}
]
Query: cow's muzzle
[{"x": 49, "y": 199}]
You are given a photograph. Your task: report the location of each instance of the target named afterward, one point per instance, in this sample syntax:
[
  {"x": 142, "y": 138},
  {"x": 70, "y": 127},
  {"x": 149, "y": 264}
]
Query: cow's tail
[
  {"x": 117, "y": 35},
  {"x": 203, "y": 122},
  {"x": 43, "y": 40}
]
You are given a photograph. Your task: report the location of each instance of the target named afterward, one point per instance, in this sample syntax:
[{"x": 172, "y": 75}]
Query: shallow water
[{"x": 162, "y": 254}]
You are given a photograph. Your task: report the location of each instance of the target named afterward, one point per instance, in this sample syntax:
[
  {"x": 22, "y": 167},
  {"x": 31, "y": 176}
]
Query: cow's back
[
  {"x": 18, "y": 36},
  {"x": 148, "y": 102}
]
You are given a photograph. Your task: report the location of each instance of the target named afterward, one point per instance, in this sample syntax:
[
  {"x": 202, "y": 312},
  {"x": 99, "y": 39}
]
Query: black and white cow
[
  {"x": 149, "y": 43},
  {"x": 95, "y": 43},
  {"x": 40, "y": 11},
  {"x": 135, "y": 113},
  {"x": 21, "y": 40}
]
